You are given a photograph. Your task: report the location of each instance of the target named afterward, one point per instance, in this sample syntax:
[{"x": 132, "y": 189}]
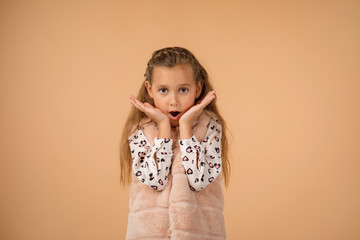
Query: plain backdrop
[{"x": 287, "y": 75}]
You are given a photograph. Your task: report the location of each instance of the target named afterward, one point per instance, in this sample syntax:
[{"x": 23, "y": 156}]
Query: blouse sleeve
[
  {"x": 143, "y": 159},
  {"x": 208, "y": 154}
]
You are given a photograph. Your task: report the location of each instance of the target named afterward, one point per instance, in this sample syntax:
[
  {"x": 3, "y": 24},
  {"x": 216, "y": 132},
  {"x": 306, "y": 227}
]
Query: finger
[
  {"x": 131, "y": 100},
  {"x": 139, "y": 105},
  {"x": 150, "y": 108},
  {"x": 145, "y": 107},
  {"x": 208, "y": 98},
  {"x": 134, "y": 99},
  {"x": 207, "y": 101},
  {"x": 134, "y": 102},
  {"x": 209, "y": 94},
  {"x": 205, "y": 98},
  {"x": 213, "y": 92},
  {"x": 146, "y": 104}
]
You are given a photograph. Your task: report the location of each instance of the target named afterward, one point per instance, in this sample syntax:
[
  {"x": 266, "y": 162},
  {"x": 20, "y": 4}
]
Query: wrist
[
  {"x": 165, "y": 123},
  {"x": 185, "y": 131},
  {"x": 184, "y": 123},
  {"x": 164, "y": 129}
]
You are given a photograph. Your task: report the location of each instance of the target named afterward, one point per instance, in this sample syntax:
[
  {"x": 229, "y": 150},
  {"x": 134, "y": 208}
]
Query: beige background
[{"x": 288, "y": 80}]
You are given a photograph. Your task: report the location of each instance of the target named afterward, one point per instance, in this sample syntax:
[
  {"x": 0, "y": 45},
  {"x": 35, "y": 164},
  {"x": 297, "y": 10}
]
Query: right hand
[{"x": 154, "y": 113}]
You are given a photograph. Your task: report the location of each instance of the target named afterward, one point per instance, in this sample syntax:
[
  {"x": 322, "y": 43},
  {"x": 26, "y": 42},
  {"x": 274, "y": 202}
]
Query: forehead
[{"x": 177, "y": 75}]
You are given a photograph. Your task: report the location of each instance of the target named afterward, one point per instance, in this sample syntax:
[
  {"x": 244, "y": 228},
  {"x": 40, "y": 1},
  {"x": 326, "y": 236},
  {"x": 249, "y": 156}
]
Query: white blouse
[{"x": 201, "y": 160}]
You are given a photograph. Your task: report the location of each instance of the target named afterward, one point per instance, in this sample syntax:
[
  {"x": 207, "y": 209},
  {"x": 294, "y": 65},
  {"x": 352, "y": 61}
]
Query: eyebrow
[{"x": 182, "y": 85}]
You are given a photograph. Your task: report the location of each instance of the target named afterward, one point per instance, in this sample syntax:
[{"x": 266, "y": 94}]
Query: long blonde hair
[{"x": 170, "y": 57}]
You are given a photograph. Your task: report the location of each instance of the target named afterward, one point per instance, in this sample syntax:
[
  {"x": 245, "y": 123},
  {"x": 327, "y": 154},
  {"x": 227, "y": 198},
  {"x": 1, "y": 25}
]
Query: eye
[
  {"x": 184, "y": 90},
  {"x": 163, "y": 90}
]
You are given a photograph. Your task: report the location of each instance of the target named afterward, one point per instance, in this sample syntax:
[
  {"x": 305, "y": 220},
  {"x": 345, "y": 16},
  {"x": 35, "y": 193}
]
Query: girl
[{"x": 176, "y": 154}]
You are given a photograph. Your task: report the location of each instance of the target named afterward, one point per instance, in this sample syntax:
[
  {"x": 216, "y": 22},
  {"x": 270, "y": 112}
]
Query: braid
[{"x": 171, "y": 56}]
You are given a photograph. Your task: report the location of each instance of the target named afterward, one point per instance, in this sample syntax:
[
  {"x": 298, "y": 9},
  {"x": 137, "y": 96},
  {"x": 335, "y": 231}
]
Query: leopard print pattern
[
  {"x": 208, "y": 155},
  {"x": 143, "y": 162}
]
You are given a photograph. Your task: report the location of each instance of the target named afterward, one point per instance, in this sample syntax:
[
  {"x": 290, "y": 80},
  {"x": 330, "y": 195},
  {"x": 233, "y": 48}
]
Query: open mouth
[{"x": 174, "y": 113}]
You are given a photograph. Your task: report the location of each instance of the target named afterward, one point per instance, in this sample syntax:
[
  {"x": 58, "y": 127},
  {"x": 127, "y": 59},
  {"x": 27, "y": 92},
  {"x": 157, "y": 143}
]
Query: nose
[{"x": 173, "y": 100}]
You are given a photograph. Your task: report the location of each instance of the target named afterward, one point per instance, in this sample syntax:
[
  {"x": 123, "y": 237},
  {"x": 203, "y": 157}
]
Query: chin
[{"x": 174, "y": 124}]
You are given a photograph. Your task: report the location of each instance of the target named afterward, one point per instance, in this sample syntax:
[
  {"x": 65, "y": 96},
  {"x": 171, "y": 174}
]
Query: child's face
[{"x": 174, "y": 90}]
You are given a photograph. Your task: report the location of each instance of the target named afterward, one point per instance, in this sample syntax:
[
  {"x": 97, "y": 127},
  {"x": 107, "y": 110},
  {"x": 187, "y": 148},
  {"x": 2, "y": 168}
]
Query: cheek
[
  {"x": 160, "y": 105},
  {"x": 189, "y": 102}
]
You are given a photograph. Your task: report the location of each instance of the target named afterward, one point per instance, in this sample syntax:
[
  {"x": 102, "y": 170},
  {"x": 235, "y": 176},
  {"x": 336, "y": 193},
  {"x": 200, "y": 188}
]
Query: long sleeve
[
  {"x": 143, "y": 159},
  {"x": 208, "y": 154}
]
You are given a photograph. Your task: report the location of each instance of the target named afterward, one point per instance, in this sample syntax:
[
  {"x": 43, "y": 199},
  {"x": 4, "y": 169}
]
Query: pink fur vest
[{"x": 176, "y": 212}]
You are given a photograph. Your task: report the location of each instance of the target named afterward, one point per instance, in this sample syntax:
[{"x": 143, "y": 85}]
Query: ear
[
  {"x": 148, "y": 88},
  {"x": 199, "y": 88}
]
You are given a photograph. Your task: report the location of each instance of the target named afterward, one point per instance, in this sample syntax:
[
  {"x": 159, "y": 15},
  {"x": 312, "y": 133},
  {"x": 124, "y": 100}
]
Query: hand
[
  {"x": 194, "y": 112},
  {"x": 152, "y": 112}
]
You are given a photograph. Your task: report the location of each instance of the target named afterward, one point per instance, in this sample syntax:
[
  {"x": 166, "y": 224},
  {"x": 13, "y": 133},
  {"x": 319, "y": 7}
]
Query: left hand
[{"x": 194, "y": 112}]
